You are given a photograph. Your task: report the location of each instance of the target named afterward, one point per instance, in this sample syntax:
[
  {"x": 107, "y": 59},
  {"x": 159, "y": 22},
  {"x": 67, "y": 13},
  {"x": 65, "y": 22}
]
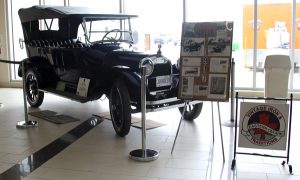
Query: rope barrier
[{"x": 9, "y": 62}]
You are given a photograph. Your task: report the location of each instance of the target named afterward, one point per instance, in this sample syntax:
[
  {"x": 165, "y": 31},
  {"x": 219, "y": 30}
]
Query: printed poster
[
  {"x": 263, "y": 126},
  {"x": 205, "y": 60}
]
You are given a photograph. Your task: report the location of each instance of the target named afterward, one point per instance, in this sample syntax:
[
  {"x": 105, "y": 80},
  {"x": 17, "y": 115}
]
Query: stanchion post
[
  {"x": 27, "y": 123},
  {"x": 144, "y": 154}
]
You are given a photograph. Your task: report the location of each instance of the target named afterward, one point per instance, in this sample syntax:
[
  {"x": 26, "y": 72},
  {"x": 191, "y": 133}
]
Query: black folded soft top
[{"x": 49, "y": 12}]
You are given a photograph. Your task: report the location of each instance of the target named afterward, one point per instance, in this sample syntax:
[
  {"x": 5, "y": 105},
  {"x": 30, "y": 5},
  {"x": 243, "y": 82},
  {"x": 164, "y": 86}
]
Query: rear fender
[{"x": 42, "y": 66}]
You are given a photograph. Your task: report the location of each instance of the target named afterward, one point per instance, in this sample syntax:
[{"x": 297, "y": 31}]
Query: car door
[{"x": 67, "y": 65}]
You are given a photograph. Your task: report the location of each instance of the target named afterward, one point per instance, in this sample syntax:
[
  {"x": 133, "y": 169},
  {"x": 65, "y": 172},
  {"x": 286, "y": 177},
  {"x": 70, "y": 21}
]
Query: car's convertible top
[{"x": 49, "y": 12}]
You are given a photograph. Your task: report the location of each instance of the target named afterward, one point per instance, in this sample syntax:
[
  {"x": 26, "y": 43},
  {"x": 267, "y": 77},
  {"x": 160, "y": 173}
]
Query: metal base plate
[
  {"x": 27, "y": 124},
  {"x": 141, "y": 155}
]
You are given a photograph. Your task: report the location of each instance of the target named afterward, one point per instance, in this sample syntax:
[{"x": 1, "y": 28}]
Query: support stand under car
[
  {"x": 144, "y": 154},
  {"x": 27, "y": 123}
]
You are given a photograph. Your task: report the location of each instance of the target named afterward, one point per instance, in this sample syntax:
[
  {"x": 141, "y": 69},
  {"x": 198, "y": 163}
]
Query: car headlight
[{"x": 148, "y": 64}]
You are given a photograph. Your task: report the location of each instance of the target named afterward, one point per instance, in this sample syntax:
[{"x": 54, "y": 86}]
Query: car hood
[{"x": 125, "y": 59}]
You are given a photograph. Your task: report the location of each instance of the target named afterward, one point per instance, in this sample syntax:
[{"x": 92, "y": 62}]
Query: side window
[
  {"x": 80, "y": 34},
  {"x": 49, "y": 24}
]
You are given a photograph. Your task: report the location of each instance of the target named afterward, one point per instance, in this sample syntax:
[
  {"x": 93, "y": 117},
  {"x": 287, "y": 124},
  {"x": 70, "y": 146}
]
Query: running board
[{"x": 64, "y": 94}]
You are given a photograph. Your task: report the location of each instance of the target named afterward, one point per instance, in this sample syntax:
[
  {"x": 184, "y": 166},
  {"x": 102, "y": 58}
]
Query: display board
[
  {"x": 205, "y": 61},
  {"x": 263, "y": 126}
]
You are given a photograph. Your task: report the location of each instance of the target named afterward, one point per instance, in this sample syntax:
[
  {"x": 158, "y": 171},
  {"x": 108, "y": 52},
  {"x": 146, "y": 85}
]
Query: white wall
[{"x": 4, "y": 68}]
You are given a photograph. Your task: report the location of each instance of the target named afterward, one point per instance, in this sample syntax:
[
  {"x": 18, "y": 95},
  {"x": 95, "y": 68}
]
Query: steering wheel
[{"x": 118, "y": 33}]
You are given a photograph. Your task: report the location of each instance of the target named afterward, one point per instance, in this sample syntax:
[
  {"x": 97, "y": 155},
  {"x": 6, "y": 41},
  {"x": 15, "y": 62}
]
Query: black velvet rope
[{"x": 9, "y": 62}]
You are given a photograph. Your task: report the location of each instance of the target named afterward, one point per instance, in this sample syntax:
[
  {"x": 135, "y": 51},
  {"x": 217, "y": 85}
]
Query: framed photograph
[
  {"x": 217, "y": 86},
  {"x": 191, "y": 61},
  {"x": 187, "y": 86},
  {"x": 219, "y": 65},
  {"x": 191, "y": 71},
  {"x": 192, "y": 47},
  {"x": 218, "y": 46}
]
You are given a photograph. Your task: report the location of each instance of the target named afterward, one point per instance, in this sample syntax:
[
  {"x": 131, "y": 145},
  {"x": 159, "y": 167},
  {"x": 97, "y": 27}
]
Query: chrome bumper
[{"x": 153, "y": 106}]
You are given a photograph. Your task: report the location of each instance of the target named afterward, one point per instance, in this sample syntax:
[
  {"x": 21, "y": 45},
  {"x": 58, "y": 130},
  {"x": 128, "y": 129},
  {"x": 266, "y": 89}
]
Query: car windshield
[{"x": 105, "y": 31}]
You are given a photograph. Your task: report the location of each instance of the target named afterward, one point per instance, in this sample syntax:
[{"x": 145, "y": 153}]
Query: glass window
[
  {"x": 232, "y": 10},
  {"x": 158, "y": 23},
  {"x": 16, "y": 53},
  {"x": 48, "y": 24},
  {"x": 273, "y": 33},
  {"x": 54, "y": 2},
  {"x": 296, "y": 77},
  {"x": 104, "y": 6}
]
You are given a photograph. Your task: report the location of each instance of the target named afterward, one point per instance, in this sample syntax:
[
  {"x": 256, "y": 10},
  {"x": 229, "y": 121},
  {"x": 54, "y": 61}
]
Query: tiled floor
[{"x": 100, "y": 154}]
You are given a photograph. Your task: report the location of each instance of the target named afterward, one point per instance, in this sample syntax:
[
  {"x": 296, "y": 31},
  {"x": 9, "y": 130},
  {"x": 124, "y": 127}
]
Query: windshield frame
[{"x": 124, "y": 22}]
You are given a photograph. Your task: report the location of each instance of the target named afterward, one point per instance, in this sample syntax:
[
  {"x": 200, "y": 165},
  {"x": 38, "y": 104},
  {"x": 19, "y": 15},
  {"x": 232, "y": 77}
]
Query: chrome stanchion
[
  {"x": 27, "y": 123},
  {"x": 144, "y": 154},
  {"x": 1, "y": 105},
  {"x": 230, "y": 123}
]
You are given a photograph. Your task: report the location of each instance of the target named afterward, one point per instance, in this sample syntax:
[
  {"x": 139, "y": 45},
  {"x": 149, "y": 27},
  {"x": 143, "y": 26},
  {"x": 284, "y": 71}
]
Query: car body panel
[{"x": 62, "y": 57}]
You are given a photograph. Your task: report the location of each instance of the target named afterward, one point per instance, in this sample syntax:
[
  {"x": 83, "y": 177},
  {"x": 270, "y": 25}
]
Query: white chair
[{"x": 277, "y": 70}]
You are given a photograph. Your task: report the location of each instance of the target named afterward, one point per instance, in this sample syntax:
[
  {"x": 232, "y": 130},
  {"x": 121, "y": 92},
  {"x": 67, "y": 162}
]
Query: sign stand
[
  {"x": 230, "y": 123},
  {"x": 144, "y": 154},
  {"x": 221, "y": 133},
  {"x": 213, "y": 129},
  {"x": 205, "y": 65},
  {"x": 186, "y": 103},
  {"x": 233, "y": 164},
  {"x": 27, "y": 123}
]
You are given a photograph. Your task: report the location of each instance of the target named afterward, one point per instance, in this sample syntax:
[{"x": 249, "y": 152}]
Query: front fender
[{"x": 132, "y": 82}]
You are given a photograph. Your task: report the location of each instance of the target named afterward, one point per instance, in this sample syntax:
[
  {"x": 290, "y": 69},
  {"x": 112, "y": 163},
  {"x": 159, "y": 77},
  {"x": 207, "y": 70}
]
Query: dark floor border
[{"x": 32, "y": 162}]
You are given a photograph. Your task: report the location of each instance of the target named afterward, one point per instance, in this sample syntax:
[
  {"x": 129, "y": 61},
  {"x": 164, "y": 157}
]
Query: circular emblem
[{"x": 263, "y": 125}]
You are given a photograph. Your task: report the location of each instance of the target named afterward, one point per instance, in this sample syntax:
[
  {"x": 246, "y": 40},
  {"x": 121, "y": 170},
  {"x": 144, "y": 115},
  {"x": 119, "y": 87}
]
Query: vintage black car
[{"x": 81, "y": 54}]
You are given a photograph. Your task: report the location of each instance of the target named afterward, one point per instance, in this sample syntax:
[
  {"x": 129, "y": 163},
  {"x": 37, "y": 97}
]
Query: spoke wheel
[
  {"x": 120, "y": 110},
  {"x": 192, "y": 111},
  {"x": 34, "y": 96}
]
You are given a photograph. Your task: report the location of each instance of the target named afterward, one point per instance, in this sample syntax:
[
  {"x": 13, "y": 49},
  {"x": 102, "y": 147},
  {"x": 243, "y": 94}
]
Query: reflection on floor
[{"x": 100, "y": 154}]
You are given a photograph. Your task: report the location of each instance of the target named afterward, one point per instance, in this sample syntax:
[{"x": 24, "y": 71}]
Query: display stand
[
  {"x": 186, "y": 103},
  {"x": 144, "y": 154},
  {"x": 213, "y": 130},
  {"x": 205, "y": 65},
  {"x": 27, "y": 123},
  {"x": 287, "y": 149}
]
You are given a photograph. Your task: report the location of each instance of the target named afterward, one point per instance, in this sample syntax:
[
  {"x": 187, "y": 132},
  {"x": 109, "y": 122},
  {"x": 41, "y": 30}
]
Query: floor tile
[{"x": 101, "y": 154}]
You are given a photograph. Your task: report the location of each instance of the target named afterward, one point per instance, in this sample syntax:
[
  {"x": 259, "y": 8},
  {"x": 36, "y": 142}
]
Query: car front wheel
[
  {"x": 120, "y": 109},
  {"x": 192, "y": 111},
  {"x": 32, "y": 81}
]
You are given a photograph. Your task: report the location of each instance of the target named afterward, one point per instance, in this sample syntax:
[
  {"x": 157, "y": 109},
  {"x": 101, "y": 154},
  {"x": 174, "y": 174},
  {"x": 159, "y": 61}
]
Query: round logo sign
[{"x": 263, "y": 125}]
